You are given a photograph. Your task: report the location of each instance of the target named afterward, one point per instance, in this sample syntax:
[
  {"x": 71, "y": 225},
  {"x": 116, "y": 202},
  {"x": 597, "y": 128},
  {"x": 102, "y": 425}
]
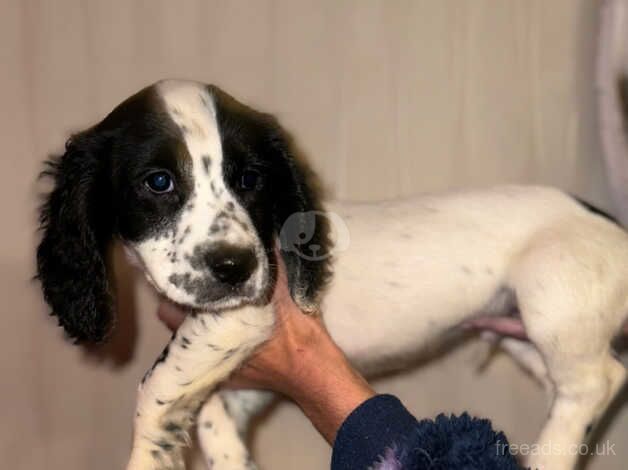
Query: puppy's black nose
[{"x": 230, "y": 264}]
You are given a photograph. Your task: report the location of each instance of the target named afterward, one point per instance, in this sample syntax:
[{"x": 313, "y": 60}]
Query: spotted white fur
[
  {"x": 437, "y": 260},
  {"x": 413, "y": 271},
  {"x": 221, "y": 434},
  {"x": 417, "y": 268},
  {"x": 204, "y": 351}
]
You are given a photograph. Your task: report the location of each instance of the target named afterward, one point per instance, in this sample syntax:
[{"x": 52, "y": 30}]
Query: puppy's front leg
[
  {"x": 223, "y": 425},
  {"x": 203, "y": 352}
]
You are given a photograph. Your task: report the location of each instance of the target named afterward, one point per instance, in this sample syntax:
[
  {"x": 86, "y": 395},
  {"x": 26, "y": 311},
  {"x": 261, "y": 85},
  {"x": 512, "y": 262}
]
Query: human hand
[
  {"x": 300, "y": 361},
  {"x": 279, "y": 365}
]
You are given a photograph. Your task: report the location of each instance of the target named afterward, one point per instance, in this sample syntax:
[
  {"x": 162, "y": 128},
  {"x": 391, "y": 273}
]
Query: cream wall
[{"x": 388, "y": 98}]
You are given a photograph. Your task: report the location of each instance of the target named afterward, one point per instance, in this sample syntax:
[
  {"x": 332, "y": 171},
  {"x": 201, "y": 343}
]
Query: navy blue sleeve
[
  {"x": 378, "y": 423},
  {"x": 381, "y": 433}
]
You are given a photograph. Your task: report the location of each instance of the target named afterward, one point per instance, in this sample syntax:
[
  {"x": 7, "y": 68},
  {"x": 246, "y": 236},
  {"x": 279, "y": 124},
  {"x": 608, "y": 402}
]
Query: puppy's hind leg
[
  {"x": 571, "y": 315},
  {"x": 583, "y": 392},
  {"x": 526, "y": 355}
]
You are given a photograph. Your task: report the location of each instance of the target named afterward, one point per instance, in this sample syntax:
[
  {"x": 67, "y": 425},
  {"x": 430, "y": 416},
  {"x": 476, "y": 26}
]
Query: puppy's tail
[{"x": 612, "y": 94}]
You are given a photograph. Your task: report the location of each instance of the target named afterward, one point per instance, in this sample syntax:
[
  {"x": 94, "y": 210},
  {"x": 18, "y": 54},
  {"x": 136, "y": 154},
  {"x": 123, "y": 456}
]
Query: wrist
[{"x": 328, "y": 389}]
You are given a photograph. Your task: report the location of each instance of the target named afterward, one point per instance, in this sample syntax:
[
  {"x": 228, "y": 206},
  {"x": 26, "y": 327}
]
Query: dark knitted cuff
[{"x": 380, "y": 422}]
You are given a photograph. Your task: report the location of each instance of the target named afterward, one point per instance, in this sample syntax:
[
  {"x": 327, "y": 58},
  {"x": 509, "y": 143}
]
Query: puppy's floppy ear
[
  {"x": 301, "y": 225},
  {"x": 77, "y": 225}
]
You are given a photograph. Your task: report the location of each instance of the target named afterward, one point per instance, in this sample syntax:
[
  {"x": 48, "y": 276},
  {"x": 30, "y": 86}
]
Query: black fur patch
[
  {"x": 77, "y": 222},
  {"x": 172, "y": 427},
  {"x": 229, "y": 353},
  {"x": 254, "y": 140},
  {"x": 165, "y": 445},
  {"x": 596, "y": 210},
  {"x": 162, "y": 357},
  {"x": 207, "y": 162},
  {"x": 98, "y": 193}
]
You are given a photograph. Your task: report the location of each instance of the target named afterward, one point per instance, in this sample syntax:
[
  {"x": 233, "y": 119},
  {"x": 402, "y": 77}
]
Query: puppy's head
[{"x": 197, "y": 186}]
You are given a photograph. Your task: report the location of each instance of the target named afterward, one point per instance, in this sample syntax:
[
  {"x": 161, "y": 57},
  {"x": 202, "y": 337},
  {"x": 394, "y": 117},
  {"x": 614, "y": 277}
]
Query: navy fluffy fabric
[
  {"x": 381, "y": 434},
  {"x": 460, "y": 443}
]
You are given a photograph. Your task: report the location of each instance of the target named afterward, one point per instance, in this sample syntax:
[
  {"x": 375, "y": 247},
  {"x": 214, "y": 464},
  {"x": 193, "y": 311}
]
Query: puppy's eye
[
  {"x": 249, "y": 179},
  {"x": 159, "y": 182}
]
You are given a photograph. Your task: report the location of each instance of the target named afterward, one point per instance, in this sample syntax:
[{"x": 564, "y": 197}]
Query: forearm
[{"x": 327, "y": 390}]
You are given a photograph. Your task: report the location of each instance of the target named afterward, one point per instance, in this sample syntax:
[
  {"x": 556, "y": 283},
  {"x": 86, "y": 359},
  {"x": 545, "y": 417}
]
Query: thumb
[{"x": 171, "y": 315}]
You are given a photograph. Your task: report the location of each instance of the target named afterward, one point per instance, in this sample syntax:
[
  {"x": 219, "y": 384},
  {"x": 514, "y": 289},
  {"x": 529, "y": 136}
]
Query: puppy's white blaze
[{"x": 184, "y": 102}]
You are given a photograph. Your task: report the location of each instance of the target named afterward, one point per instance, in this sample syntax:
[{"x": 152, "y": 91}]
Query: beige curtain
[{"x": 388, "y": 98}]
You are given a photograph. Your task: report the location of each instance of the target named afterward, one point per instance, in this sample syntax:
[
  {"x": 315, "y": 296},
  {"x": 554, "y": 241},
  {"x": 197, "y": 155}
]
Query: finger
[
  {"x": 281, "y": 291},
  {"x": 238, "y": 383},
  {"x": 282, "y": 300},
  {"x": 170, "y": 315},
  {"x": 245, "y": 377}
]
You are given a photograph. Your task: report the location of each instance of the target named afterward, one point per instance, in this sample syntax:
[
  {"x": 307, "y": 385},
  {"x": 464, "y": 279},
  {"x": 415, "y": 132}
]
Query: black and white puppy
[
  {"x": 200, "y": 187},
  {"x": 197, "y": 186}
]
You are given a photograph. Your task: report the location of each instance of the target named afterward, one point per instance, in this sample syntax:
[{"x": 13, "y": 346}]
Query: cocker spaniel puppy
[{"x": 201, "y": 188}]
